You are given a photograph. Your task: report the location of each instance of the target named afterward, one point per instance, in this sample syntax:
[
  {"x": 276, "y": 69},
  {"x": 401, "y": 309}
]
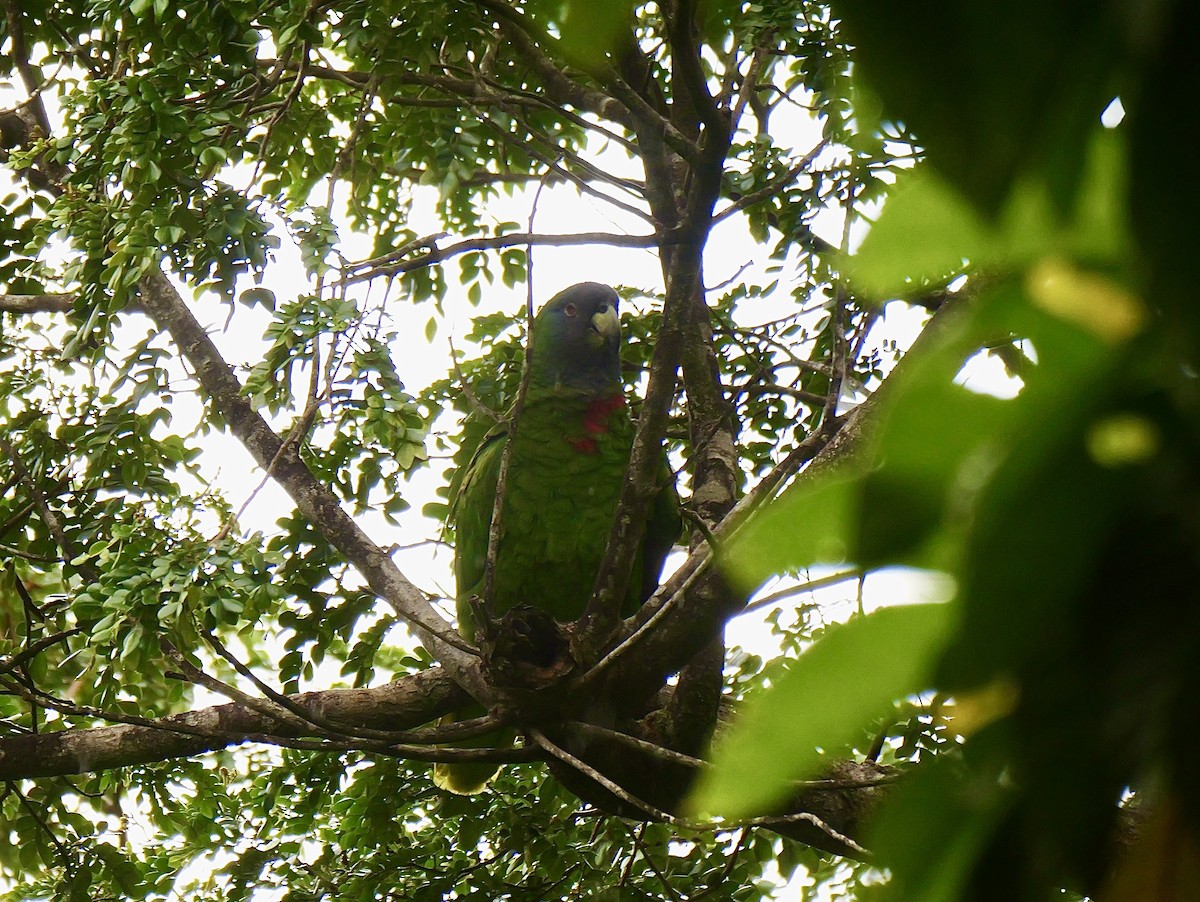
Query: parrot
[{"x": 566, "y": 468}]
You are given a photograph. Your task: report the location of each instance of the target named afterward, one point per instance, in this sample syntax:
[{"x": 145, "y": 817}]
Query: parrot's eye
[
  {"x": 603, "y": 308},
  {"x": 570, "y": 309}
]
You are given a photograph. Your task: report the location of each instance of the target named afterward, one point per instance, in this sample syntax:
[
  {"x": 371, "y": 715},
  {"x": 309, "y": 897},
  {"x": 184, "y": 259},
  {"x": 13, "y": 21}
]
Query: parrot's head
[{"x": 577, "y": 340}]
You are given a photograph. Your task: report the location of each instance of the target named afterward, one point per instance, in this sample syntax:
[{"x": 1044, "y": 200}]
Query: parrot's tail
[{"x": 463, "y": 779}]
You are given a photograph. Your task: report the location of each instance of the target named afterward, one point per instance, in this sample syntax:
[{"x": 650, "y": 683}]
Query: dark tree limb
[
  {"x": 694, "y": 106},
  {"x": 31, "y": 75},
  {"x": 408, "y": 701}
]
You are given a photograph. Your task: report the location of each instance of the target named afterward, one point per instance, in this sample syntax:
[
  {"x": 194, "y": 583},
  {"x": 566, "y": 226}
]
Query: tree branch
[
  {"x": 31, "y": 75},
  {"x": 313, "y": 499},
  {"x": 774, "y": 188},
  {"x": 408, "y": 701},
  {"x": 622, "y": 104},
  {"x": 554, "y": 162},
  {"x": 700, "y": 107},
  {"x": 559, "y": 86},
  {"x": 388, "y": 266},
  {"x": 35, "y": 303},
  {"x": 677, "y": 620},
  {"x": 641, "y": 479}
]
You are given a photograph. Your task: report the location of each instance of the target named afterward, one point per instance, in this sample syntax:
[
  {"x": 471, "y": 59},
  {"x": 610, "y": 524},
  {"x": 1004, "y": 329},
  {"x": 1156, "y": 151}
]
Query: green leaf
[
  {"x": 985, "y": 121},
  {"x": 811, "y": 523},
  {"x": 212, "y": 157},
  {"x": 591, "y": 30},
  {"x": 924, "y": 234},
  {"x": 931, "y": 829},
  {"x": 847, "y": 679},
  {"x": 264, "y": 297}
]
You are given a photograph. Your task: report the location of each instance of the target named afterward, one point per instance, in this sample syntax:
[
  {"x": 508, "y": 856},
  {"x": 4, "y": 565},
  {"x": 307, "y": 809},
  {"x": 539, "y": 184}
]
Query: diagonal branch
[
  {"x": 677, "y": 619},
  {"x": 555, "y": 162},
  {"x": 560, "y": 86},
  {"x": 313, "y": 499},
  {"x": 622, "y": 104},
  {"x": 641, "y": 480},
  {"x": 750, "y": 84},
  {"x": 775, "y": 187}
]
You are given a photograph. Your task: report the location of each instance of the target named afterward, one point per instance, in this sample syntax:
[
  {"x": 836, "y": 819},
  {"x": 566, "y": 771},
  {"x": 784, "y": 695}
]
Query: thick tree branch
[
  {"x": 35, "y": 303},
  {"x": 314, "y": 500},
  {"x": 693, "y": 106},
  {"x": 31, "y": 75},
  {"x": 406, "y": 702}
]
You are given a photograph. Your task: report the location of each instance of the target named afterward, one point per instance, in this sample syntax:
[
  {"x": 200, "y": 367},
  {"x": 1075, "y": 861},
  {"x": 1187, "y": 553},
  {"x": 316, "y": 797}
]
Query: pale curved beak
[{"x": 607, "y": 324}]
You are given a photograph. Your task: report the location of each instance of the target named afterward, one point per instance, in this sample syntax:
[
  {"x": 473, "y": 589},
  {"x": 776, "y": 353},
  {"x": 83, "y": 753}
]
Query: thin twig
[
  {"x": 703, "y": 561},
  {"x": 592, "y": 774},
  {"x": 49, "y": 517},
  {"x": 35, "y": 648},
  {"x": 839, "y": 346},
  {"x": 369, "y": 270},
  {"x": 27, "y": 556},
  {"x": 429, "y": 242},
  {"x": 730, "y": 864},
  {"x": 805, "y": 817},
  {"x": 514, "y": 418},
  {"x": 472, "y": 399},
  {"x": 750, "y": 83},
  {"x": 674, "y": 589},
  {"x": 290, "y": 442},
  {"x": 685, "y": 823},
  {"x": 650, "y": 748},
  {"x": 263, "y": 706},
  {"x": 822, "y": 582},
  {"x": 794, "y": 172},
  {"x": 641, "y": 850},
  {"x": 41, "y": 822},
  {"x": 292, "y": 95},
  {"x": 466, "y": 729}
]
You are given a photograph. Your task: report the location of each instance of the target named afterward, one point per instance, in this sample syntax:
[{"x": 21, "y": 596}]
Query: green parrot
[{"x": 565, "y": 473}]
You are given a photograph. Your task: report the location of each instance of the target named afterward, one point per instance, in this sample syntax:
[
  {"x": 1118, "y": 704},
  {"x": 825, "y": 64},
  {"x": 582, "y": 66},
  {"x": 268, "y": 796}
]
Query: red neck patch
[{"x": 595, "y": 422}]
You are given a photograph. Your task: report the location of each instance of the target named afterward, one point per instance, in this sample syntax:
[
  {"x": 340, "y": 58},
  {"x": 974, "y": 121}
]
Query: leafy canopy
[{"x": 976, "y": 747}]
